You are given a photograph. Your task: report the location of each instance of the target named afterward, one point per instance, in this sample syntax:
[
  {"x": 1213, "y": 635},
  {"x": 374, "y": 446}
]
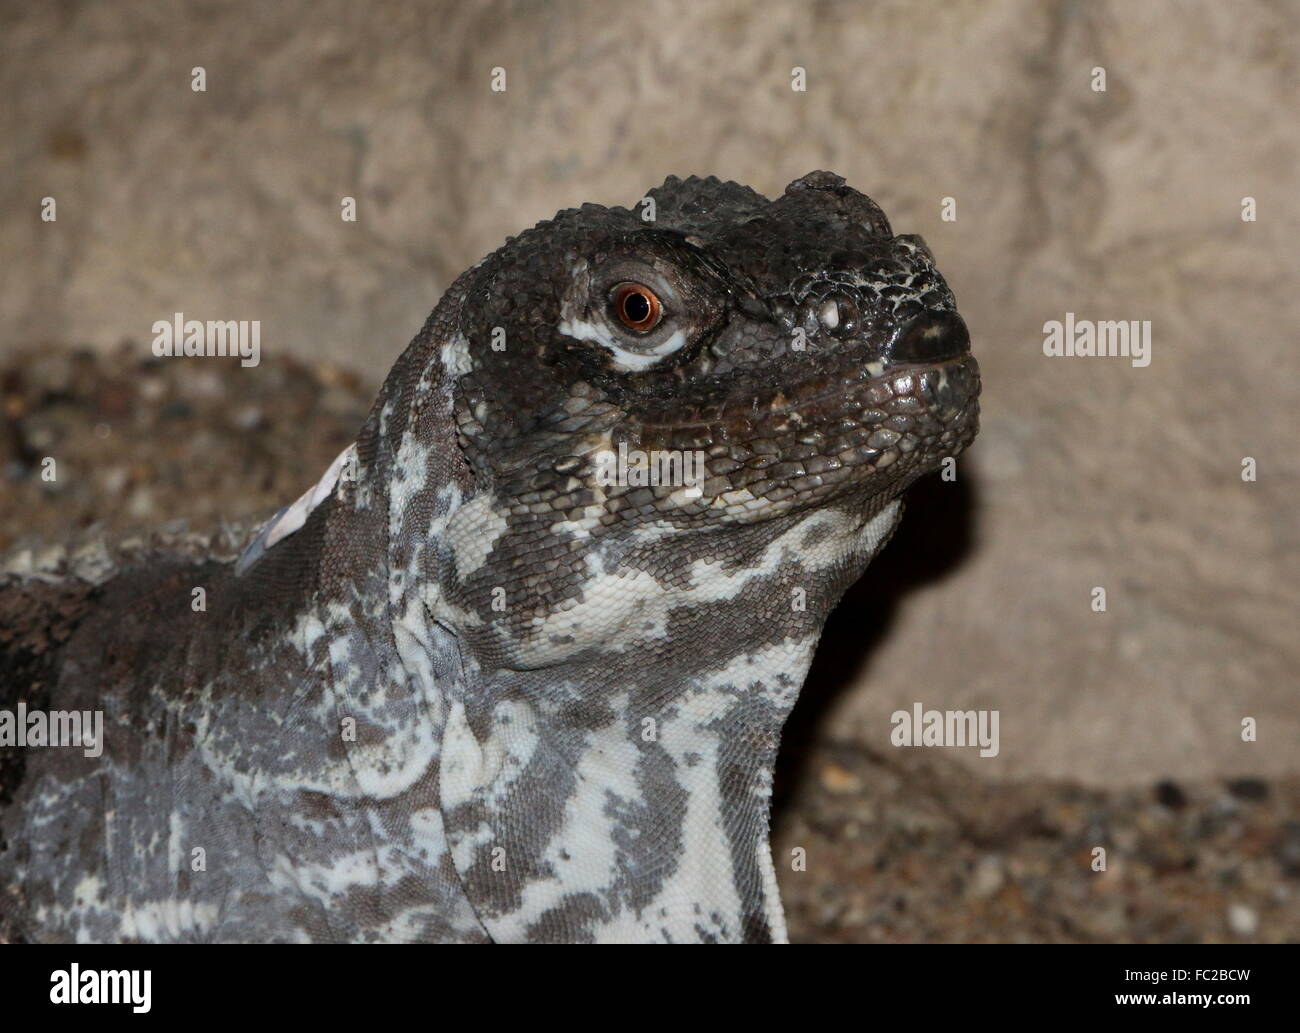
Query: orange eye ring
[{"x": 636, "y": 306}]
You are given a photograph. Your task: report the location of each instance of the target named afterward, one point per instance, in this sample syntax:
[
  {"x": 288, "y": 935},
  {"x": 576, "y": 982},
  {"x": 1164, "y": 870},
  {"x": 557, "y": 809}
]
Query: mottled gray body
[{"x": 464, "y": 690}]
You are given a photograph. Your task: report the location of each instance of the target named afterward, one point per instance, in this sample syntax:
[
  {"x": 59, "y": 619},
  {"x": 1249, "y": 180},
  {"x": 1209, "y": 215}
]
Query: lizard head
[
  {"x": 729, "y": 360},
  {"x": 643, "y": 413},
  {"x": 681, "y": 431}
]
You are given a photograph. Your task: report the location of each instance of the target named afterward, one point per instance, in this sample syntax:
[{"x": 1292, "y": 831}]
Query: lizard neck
[{"x": 622, "y": 792}]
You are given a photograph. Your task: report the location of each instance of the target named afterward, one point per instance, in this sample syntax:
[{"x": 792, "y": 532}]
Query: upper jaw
[
  {"x": 832, "y": 382},
  {"x": 864, "y": 427}
]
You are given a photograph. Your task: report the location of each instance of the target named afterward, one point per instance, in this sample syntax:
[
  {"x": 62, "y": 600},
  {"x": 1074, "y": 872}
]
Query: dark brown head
[{"x": 761, "y": 357}]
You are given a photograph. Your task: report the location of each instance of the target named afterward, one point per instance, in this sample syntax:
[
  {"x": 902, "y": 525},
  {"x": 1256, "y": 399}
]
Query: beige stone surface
[{"x": 1123, "y": 204}]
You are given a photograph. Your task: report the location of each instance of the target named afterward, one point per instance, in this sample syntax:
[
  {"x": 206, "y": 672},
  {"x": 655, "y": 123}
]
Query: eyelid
[{"x": 588, "y": 316}]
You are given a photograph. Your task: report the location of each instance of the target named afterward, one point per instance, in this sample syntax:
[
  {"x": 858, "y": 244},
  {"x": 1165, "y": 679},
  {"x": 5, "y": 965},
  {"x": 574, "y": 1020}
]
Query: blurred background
[{"x": 1120, "y": 729}]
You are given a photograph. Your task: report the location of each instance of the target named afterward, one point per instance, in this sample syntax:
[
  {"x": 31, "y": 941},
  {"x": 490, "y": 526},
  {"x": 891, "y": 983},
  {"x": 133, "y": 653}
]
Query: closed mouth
[{"x": 856, "y": 431}]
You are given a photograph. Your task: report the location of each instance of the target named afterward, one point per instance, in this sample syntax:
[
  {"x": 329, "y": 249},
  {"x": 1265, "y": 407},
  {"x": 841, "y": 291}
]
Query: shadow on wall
[{"x": 936, "y": 534}]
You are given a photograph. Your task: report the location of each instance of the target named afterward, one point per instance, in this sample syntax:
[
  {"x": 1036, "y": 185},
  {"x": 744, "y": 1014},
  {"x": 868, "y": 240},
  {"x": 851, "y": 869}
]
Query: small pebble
[
  {"x": 1248, "y": 788},
  {"x": 1242, "y": 920},
  {"x": 1288, "y": 849},
  {"x": 1170, "y": 794},
  {"x": 840, "y": 780},
  {"x": 988, "y": 876}
]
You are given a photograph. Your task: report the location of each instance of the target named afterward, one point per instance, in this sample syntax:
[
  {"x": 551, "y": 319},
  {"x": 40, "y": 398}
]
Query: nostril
[{"x": 932, "y": 337}]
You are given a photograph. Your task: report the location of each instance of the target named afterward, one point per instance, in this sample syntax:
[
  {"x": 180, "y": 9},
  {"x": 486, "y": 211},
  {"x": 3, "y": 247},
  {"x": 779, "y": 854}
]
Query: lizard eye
[{"x": 636, "y": 306}]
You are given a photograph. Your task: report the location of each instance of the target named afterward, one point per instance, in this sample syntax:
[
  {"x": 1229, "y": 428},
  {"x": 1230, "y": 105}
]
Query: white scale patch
[
  {"x": 325, "y": 881},
  {"x": 163, "y": 920},
  {"x": 584, "y": 852},
  {"x": 632, "y": 603},
  {"x": 296, "y": 515},
  {"x": 624, "y": 358},
  {"x": 462, "y": 761},
  {"x": 767, "y": 872},
  {"x": 784, "y": 661},
  {"x": 455, "y": 356},
  {"x": 706, "y": 877},
  {"x": 472, "y": 532},
  {"x": 410, "y": 476}
]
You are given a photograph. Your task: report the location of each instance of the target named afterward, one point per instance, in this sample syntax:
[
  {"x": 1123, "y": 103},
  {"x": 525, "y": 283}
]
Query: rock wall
[{"x": 1117, "y": 204}]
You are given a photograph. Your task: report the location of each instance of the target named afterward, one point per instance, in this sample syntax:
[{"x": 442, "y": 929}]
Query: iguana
[{"x": 516, "y": 668}]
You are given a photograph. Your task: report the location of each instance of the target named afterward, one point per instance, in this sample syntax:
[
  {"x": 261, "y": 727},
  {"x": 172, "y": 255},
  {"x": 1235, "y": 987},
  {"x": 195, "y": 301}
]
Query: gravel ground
[
  {"x": 903, "y": 846},
  {"x": 900, "y": 845},
  {"x": 141, "y": 442}
]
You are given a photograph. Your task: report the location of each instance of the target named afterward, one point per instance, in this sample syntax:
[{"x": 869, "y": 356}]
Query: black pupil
[{"x": 636, "y": 306}]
